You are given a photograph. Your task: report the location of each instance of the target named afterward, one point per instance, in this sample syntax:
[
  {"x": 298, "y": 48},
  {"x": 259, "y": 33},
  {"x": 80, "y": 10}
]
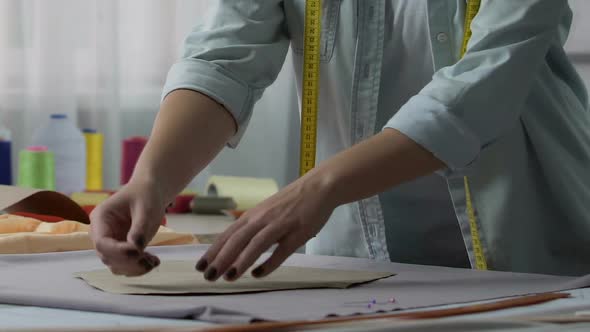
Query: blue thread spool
[
  {"x": 5, "y": 157},
  {"x": 5, "y": 163}
]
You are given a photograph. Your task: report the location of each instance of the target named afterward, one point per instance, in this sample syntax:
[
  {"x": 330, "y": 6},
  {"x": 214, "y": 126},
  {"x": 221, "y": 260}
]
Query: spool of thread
[
  {"x": 131, "y": 151},
  {"x": 181, "y": 204},
  {"x": 5, "y": 157},
  {"x": 5, "y": 163},
  {"x": 63, "y": 138},
  {"x": 36, "y": 168},
  {"x": 94, "y": 153}
]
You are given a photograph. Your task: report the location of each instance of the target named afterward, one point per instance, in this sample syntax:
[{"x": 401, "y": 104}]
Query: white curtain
[{"x": 104, "y": 62}]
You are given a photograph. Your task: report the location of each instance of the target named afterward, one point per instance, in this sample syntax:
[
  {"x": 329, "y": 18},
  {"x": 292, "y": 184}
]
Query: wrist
[
  {"x": 323, "y": 181},
  {"x": 151, "y": 182}
]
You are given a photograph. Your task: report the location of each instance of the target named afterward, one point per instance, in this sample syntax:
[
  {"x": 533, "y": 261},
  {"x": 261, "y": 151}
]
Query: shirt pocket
[{"x": 295, "y": 16}]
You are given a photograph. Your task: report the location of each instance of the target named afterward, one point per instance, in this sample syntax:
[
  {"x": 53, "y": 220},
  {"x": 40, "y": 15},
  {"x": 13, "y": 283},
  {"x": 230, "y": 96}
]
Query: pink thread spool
[
  {"x": 37, "y": 148},
  {"x": 182, "y": 204},
  {"x": 131, "y": 151}
]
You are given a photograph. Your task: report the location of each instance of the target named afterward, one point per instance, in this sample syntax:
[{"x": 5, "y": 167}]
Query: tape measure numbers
[
  {"x": 309, "y": 104},
  {"x": 480, "y": 259},
  {"x": 470, "y": 13},
  {"x": 310, "y": 88}
]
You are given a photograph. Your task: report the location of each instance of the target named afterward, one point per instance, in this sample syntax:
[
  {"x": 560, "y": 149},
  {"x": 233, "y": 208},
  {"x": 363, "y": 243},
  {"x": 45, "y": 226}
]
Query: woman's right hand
[
  {"x": 189, "y": 131},
  {"x": 124, "y": 224}
]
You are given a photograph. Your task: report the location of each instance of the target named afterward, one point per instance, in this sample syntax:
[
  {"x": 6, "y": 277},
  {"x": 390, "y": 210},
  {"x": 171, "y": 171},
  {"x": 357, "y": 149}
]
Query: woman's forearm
[
  {"x": 373, "y": 166},
  {"x": 188, "y": 133},
  {"x": 191, "y": 129}
]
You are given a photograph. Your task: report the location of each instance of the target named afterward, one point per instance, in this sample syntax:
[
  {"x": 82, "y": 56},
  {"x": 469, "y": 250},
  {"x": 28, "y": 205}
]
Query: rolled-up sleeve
[
  {"x": 472, "y": 103},
  {"x": 234, "y": 56}
]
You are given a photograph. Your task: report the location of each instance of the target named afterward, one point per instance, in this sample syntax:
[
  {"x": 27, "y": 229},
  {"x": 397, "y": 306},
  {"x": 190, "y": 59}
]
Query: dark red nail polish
[
  {"x": 146, "y": 264},
  {"x": 257, "y": 272},
  {"x": 201, "y": 265},
  {"x": 140, "y": 241},
  {"x": 231, "y": 274},
  {"x": 211, "y": 274},
  {"x": 156, "y": 262}
]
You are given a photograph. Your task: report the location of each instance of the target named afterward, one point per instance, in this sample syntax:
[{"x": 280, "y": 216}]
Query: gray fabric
[{"x": 46, "y": 280}]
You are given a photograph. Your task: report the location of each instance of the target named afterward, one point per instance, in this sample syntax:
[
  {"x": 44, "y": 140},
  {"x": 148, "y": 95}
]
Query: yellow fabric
[
  {"x": 23, "y": 235},
  {"x": 83, "y": 199}
]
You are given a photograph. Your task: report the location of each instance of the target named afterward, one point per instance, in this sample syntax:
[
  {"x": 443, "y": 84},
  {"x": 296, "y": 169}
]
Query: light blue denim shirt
[{"x": 512, "y": 115}]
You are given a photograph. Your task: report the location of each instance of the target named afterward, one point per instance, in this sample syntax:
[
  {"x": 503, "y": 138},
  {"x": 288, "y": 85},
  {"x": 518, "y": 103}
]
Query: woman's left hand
[
  {"x": 298, "y": 212},
  {"x": 289, "y": 218}
]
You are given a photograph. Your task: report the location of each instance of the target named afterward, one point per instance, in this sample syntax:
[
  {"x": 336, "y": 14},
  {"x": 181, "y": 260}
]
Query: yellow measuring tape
[
  {"x": 480, "y": 259},
  {"x": 310, "y": 94},
  {"x": 310, "y": 89}
]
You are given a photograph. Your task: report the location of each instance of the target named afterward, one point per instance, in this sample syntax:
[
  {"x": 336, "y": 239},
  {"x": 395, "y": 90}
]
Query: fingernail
[
  {"x": 132, "y": 253},
  {"x": 211, "y": 274},
  {"x": 140, "y": 241},
  {"x": 201, "y": 265},
  {"x": 155, "y": 262},
  {"x": 146, "y": 264},
  {"x": 231, "y": 274},
  {"x": 257, "y": 272}
]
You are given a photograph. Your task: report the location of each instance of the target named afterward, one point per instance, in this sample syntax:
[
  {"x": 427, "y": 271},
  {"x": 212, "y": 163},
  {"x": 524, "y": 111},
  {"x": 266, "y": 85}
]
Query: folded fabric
[
  {"x": 25, "y": 235},
  {"x": 47, "y": 218}
]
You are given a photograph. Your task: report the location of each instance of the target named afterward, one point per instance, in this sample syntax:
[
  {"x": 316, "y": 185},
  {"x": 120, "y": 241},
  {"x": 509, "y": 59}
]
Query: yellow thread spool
[{"x": 94, "y": 159}]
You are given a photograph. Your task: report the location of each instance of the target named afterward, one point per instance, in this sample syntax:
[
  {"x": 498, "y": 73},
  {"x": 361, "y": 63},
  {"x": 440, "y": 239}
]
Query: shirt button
[{"x": 442, "y": 37}]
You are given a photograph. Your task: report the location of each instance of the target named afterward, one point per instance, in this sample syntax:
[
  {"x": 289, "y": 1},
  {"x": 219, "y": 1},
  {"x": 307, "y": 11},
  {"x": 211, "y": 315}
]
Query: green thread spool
[{"x": 36, "y": 168}]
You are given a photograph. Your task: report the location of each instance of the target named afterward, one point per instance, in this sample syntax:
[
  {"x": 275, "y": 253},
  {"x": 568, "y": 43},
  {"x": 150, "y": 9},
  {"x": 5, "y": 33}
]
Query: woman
[{"x": 403, "y": 120}]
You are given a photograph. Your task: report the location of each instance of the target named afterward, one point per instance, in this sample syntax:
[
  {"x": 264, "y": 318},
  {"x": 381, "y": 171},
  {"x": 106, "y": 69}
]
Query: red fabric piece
[
  {"x": 88, "y": 208},
  {"x": 41, "y": 217}
]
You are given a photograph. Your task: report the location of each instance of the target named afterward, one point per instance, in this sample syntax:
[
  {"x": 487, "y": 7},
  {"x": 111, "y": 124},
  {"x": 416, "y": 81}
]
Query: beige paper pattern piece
[
  {"x": 246, "y": 192},
  {"x": 180, "y": 277}
]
